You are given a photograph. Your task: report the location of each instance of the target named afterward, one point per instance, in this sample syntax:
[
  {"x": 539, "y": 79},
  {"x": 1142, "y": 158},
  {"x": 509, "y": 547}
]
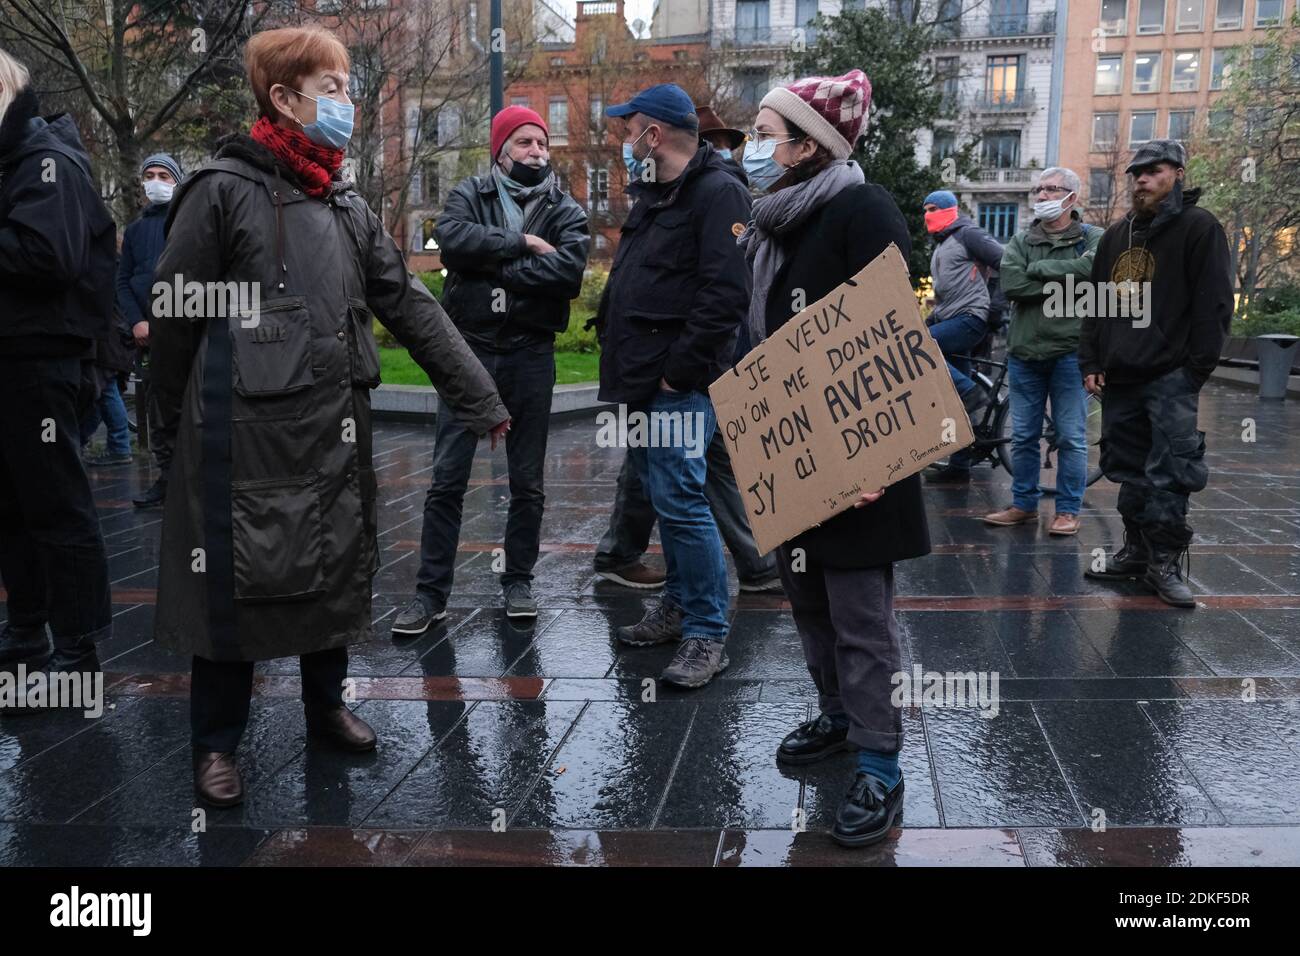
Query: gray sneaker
[
  {"x": 520, "y": 601},
  {"x": 696, "y": 662},
  {"x": 662, "y": 623},
  {"x": 415, "y": 618}
]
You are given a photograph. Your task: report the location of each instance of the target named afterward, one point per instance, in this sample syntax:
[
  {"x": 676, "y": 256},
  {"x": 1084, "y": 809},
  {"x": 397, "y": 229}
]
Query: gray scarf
[
  {"x": 777, "y": 214},
  {"x": 515, "y": 196}
]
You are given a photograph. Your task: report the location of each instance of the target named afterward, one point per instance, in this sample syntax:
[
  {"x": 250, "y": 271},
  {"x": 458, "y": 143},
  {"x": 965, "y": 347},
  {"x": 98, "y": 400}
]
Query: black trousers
[
  {"x": 221, "y": 691},
  {"x": 525, "y": 378},
  {"x": 1151, "y": 446},
  {"x": 845, "y": 618},
  {"x": 51, "y": 551}
]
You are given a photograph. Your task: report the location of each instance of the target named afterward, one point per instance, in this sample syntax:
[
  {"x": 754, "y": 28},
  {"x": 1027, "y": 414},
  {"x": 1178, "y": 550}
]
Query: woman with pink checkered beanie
[{"x": 818, "y": 223}]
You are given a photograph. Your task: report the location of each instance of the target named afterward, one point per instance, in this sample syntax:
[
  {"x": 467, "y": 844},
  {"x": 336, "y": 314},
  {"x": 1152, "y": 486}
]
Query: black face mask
[{"x": 528, "y": 175}]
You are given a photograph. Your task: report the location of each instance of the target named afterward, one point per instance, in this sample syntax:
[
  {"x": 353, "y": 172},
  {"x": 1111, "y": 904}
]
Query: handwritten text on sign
[{"x": 850, "y": 395}]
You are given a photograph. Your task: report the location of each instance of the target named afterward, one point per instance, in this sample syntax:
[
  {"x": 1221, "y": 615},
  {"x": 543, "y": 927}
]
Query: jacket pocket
[
  {"x": 671, "y": 241},
  {"x": 363, "y": 352},
  {"x": 278, "y": 539},
  {"x": 272, "y": 353}
]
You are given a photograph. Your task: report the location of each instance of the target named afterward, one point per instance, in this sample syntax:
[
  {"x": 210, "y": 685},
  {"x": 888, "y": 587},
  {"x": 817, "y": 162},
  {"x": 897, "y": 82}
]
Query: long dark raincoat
[{"x": 268, "y": 539}]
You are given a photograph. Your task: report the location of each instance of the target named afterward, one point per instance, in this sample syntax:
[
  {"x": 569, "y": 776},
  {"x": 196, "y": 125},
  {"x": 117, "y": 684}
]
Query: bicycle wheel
[{"x": 1002, "y": 432}]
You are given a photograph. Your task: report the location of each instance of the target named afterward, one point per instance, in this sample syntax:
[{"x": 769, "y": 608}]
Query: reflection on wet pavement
[{"x": 1125, "y": 733}]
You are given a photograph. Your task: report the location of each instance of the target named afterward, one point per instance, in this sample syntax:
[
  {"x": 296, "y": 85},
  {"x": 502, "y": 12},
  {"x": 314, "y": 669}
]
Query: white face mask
[
  {"x": 1049, "y": 210},
  {"x": 155, "y": 190}
]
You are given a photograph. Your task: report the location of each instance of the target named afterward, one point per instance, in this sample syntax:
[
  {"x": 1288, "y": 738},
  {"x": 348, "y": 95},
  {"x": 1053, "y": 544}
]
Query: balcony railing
[
  {"x": 999, "y": 25},
  {"x": 1004, "y": 177},
  {"x": 996, "y": 101}
]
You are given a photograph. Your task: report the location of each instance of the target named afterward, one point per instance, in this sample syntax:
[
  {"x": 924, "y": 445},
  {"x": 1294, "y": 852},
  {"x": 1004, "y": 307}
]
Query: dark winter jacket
[
  {"x": 1183, "y": 252},
  {"x": 678, "y": 288},
  {"x": 58, "y": 243},
  {"x": 142, "y": 244},
  {"x": 959, "y": 268},
  {"x": 835, "y": 243},
  {"x": 482, "y": 255},
  {"x": 268, "y": 540}
]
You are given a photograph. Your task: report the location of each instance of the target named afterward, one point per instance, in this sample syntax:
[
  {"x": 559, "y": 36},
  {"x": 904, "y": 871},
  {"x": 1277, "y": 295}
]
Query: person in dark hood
[
  {"x": 142, "y": 244},
  {"x": 515, "y": 247},
  {"x": 1162, "y": 282},
  {"x": 269, "y": 525},
  {"x": 668, "y": 323},
  {"x": 57, "y": 255},
  {"x": 959, "y": 267},
  {"x": 820, "y": 223}
]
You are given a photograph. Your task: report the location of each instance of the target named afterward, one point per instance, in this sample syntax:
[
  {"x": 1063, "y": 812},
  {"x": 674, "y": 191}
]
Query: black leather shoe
[
  {"x": 1129, "y": 563},
  {"x": 23, "y": 645},
  {"x": 812, "y": 740},
  {"x": 867, "y": 812},
  {"x": 342, "y": 728},
  {"x": 154, "y": 496},
  {"x": 217, "y": 780}
]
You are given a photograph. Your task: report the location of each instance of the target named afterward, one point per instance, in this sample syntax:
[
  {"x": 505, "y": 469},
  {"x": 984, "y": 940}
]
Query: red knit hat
[
  {"x": 509, "y": 120},
  {"x": 830, "y": 109}
]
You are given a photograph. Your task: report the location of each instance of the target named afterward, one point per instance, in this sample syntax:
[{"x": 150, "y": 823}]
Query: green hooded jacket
[{"x": 1032, "y": 259}]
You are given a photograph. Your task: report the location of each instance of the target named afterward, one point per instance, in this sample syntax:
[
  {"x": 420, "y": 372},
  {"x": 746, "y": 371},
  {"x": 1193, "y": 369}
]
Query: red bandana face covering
[
  {"x": 312, "y": 164},
  {"x": 940, "y": 219}
]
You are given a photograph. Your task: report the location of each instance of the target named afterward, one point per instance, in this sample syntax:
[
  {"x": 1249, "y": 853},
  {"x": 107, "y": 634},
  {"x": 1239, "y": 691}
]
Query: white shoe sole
[
  {"x": 433, "y": 619},
  {"x": 614, "y": 577}
]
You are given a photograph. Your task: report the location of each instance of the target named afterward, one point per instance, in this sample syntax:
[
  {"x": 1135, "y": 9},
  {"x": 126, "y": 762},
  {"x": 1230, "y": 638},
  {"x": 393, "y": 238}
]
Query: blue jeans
[
  {"x": 111, "y": 410},
  {"x": 1032, "y": 384},
  {"x": 958, "y": 336},
  {"x": 673, "y": 473}
]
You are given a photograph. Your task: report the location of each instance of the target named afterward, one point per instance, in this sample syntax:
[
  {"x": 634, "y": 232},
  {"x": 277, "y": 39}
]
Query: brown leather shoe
[
  {"x": 342, "y": 728},
  {"x": 217, "y": 780},
  {"x": 1064, "y": 524},
  {"x": 1011, "y": 516}
]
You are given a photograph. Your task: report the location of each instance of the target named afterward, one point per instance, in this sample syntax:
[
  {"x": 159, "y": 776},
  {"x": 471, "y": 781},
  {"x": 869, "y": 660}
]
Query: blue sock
[{"x": 880, "y": 765}]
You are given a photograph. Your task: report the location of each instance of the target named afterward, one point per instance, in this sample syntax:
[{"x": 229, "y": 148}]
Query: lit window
[
  {"x": 1146, "y": 72},
  {"x": 1108, "y": 79},
  {"x": 1105, "y": 130},
  {"x": 1188, "y": 16},
  {"x": 1185, "y": 75},
  {"x": 1114, "y": 17}
]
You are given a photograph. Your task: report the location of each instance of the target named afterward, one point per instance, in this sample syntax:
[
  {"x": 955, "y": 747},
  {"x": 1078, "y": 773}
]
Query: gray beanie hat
[{"x": 166, "y": 162}]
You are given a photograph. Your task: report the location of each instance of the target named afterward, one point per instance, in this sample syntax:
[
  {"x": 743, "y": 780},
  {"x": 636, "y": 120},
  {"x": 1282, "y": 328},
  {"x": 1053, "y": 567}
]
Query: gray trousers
[
  {"x": 845, "y": 618},
  {"x": 634, "y": 518}
]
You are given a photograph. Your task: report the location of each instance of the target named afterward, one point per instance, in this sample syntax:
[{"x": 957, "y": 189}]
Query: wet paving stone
[
  {"x": 1163, "y": 846},
  {"x": 903, "y": 847},
  {"x": 1182, "y": 726}
]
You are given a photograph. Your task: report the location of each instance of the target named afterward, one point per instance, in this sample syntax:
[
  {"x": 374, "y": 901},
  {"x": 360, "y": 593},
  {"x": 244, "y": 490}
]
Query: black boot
[
  {"x": 78, "y": 657},
  {"x": 1129, "y": 563},
  {"x": 154, "y": 496},
  {"x": 1164, "y": 575},
  {"x": 23, "y": 645}
]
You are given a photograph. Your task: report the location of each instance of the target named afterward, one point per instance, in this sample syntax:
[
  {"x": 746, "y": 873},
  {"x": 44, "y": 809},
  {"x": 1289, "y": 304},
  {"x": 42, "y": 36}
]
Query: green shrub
[
  {"x": 593, "y": 285},
  {"x": 433, "y": 282},
  {"x": 1269, "y": 323},
  {"x": 575, "y": 338}
]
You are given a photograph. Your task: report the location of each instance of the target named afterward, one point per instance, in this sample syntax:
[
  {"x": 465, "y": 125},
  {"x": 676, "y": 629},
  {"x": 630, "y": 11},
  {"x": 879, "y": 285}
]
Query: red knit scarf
[{"x": 313, "y": 165}]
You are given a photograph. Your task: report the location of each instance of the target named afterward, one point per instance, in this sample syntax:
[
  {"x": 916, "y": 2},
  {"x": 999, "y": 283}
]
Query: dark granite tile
[
  {"x": 335, "y": 846},
  {"x": 903, "y": 847},
  {"x": 24, "y": 844},
  {"x": 567, "y": 848},
  {"x": 1163, "y": 846}
]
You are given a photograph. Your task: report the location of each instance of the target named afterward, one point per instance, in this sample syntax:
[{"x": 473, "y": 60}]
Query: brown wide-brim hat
[{"x": 710, "y": 122}]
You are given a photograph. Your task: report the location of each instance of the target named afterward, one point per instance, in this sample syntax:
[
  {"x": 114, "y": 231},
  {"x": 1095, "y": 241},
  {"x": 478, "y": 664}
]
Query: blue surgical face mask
[
  {"x": 635, "y": 167},
  {"x": 333, "y": 125},
  {"x": 761, "y": 166},
  {"x": 725, "y": 153}
]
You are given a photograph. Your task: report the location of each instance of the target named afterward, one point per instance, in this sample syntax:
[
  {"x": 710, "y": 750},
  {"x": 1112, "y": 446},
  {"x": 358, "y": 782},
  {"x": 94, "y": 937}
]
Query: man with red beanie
[{"x": 514, "y": 246}]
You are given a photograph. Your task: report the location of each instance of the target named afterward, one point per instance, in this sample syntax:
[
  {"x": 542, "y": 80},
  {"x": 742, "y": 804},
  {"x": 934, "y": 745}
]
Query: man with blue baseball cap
[{"x": 677, "y": 294}]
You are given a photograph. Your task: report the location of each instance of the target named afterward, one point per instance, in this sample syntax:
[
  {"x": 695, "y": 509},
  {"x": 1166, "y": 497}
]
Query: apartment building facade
[{"x": 1137, "y": 70}]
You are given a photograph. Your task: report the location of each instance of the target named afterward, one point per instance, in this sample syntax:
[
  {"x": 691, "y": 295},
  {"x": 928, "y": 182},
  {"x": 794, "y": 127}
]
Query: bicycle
[{"x": 993, "y": 427}]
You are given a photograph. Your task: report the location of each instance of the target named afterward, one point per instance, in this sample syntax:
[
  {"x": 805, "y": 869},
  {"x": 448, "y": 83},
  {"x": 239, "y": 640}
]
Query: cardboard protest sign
[{"x": 851, "y": 395}]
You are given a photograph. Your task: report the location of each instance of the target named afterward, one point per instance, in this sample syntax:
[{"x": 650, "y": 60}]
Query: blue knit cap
[{"x": 941, "y": 198}]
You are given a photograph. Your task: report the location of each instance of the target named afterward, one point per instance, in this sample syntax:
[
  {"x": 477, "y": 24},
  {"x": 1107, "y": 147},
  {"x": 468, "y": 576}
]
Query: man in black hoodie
[
  {"x": 57, "y": 257},
  {"x": 1162, "y": 287}
]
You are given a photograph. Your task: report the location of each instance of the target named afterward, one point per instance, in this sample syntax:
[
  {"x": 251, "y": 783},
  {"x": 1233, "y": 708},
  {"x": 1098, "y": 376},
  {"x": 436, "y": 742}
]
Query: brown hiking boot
[
  {"x": 1064, "y": 524},
  {"x": 1011, "y": 516},
  {"x": 635, "y": 575}
]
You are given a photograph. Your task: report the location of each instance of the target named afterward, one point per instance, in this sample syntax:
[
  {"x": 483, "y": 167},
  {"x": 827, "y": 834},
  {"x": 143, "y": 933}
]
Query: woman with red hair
[{"x": 268, "y": 540}]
